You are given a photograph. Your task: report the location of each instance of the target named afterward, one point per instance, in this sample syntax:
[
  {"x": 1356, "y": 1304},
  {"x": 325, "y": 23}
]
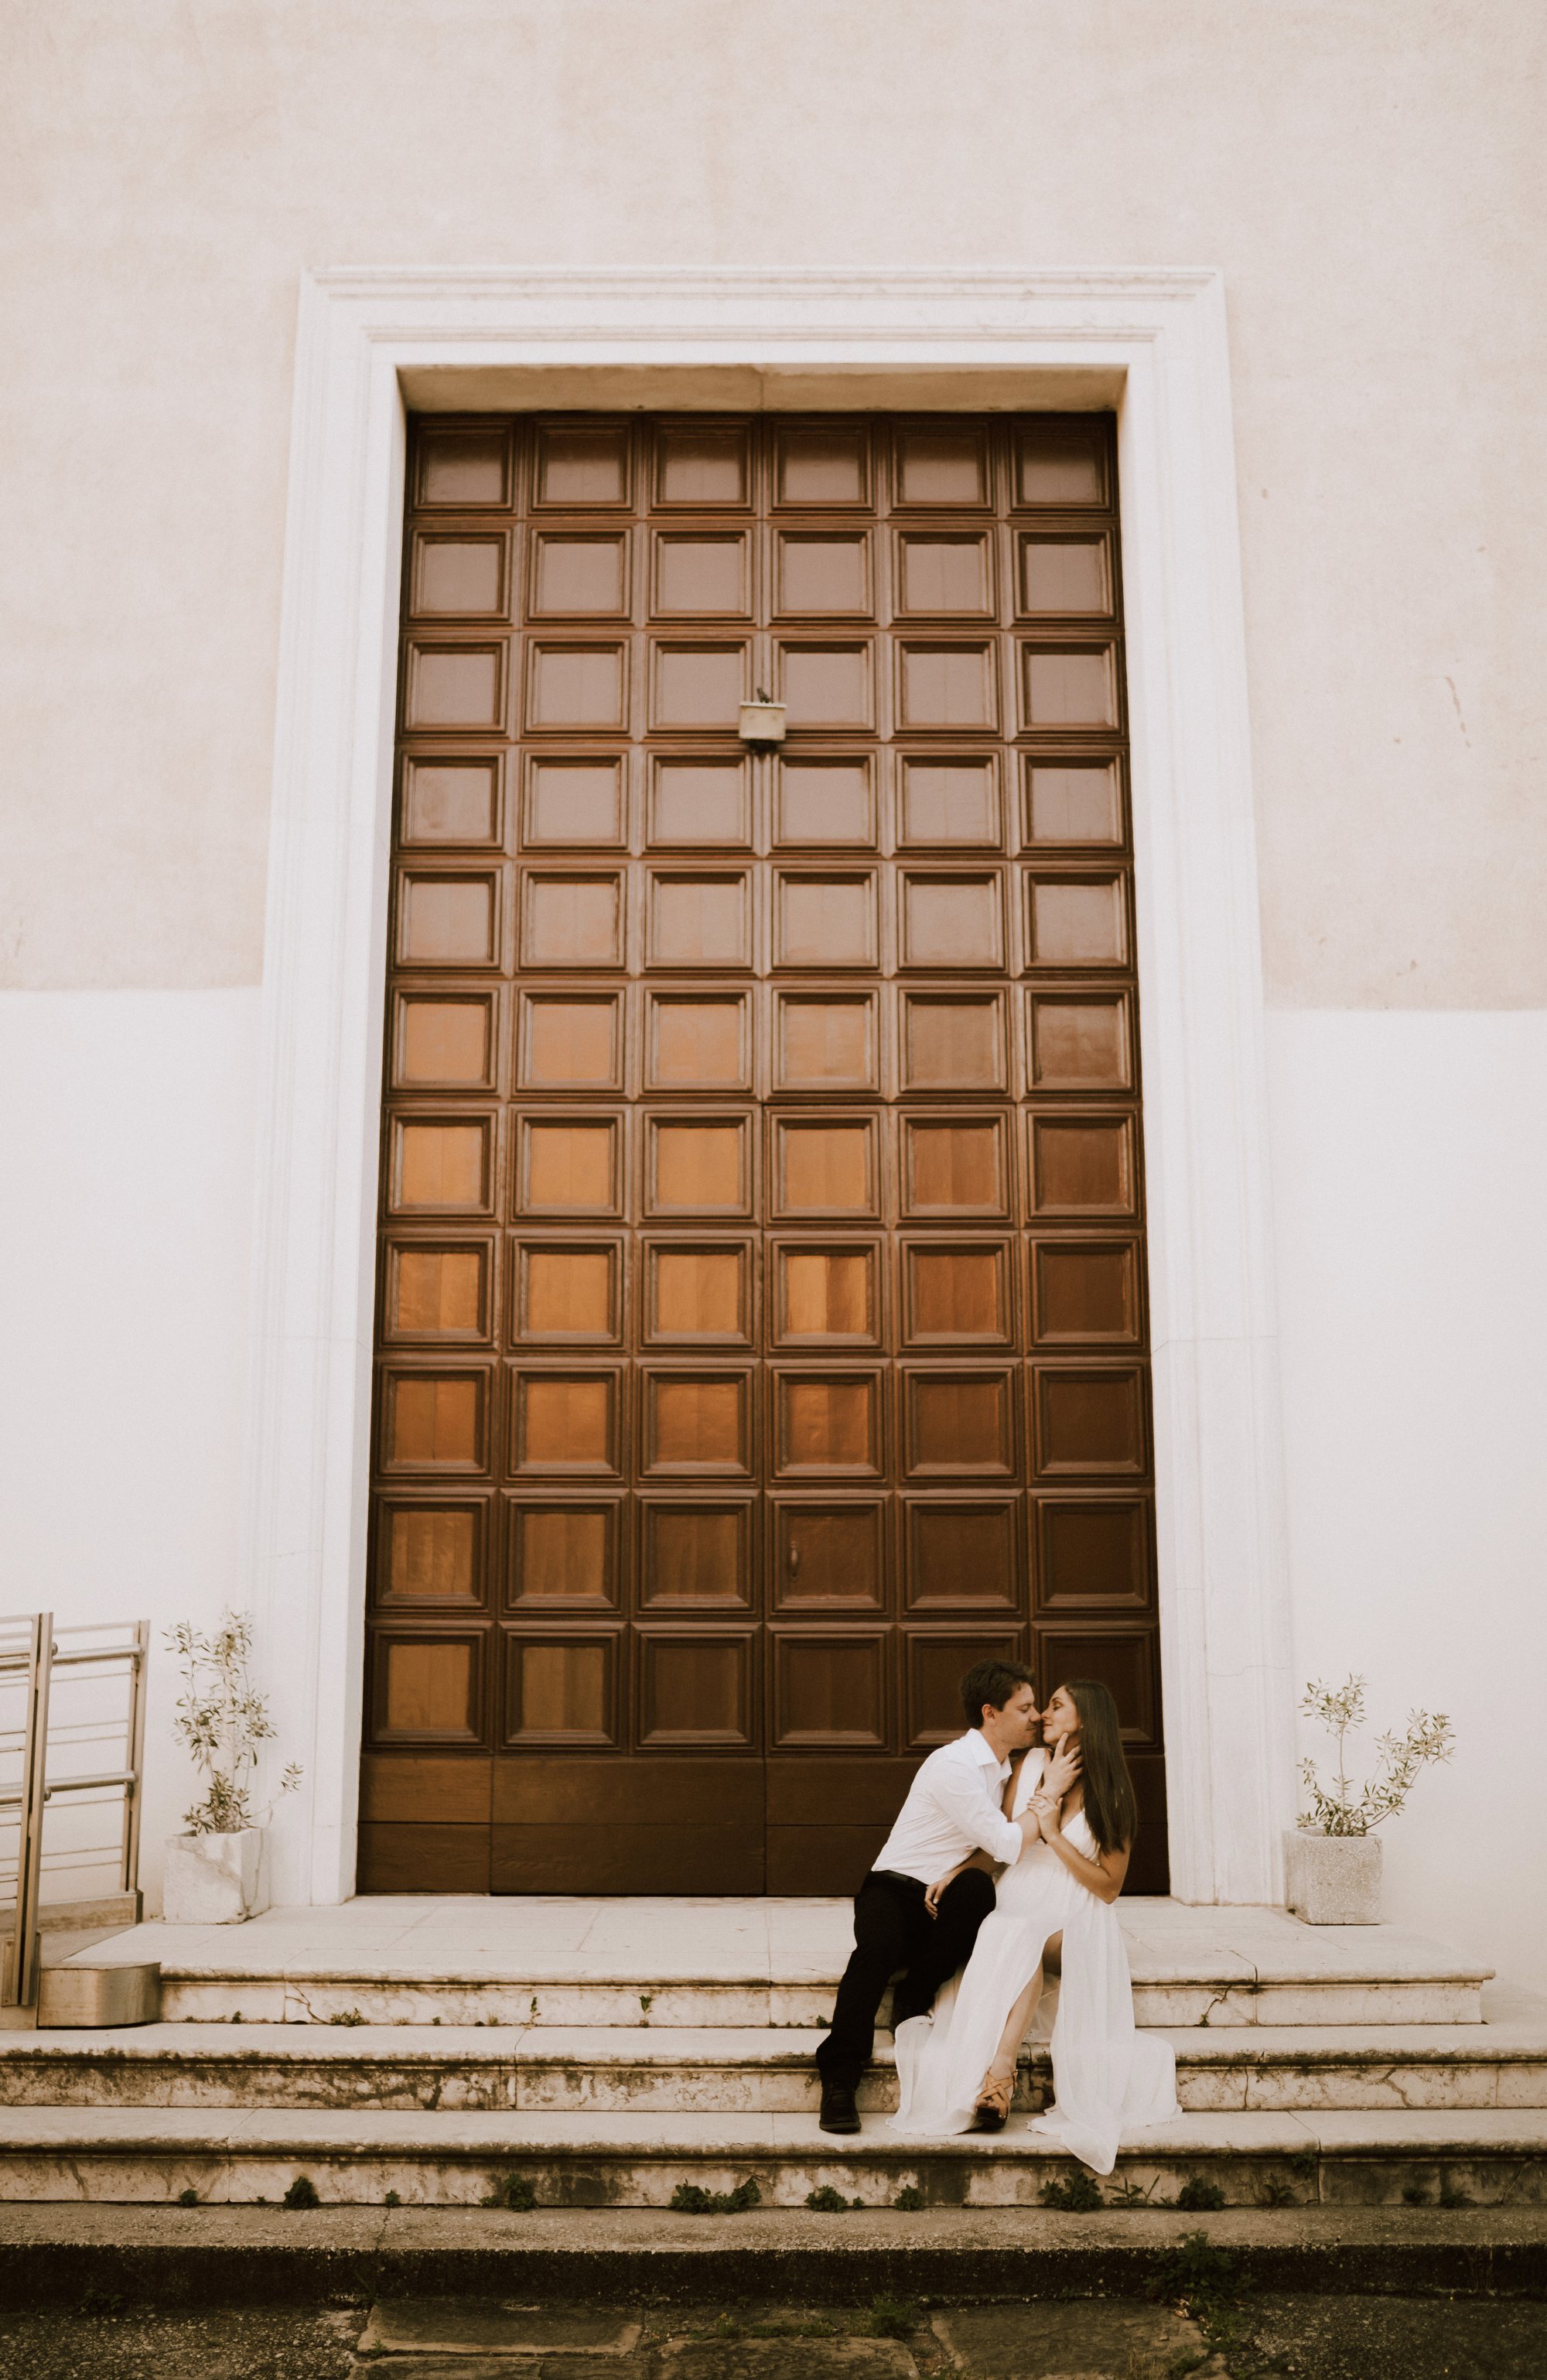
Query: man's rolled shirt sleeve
[{"x": 971, "y": 1803}]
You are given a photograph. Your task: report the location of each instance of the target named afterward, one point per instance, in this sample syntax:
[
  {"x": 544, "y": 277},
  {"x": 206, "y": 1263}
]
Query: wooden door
[{"x": 761, "y": 1325}]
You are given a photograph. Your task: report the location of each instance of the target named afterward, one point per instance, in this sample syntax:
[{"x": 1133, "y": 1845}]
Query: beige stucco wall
[{"x": 1368, "y": 174}]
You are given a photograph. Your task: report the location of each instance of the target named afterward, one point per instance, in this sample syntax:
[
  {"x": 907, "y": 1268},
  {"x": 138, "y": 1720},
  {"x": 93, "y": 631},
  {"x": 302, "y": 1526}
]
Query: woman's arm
[{"x": 1103, "y": 1876}]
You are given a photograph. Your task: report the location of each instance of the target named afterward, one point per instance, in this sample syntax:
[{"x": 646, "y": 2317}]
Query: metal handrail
[{"x": 18, "y": 1983}]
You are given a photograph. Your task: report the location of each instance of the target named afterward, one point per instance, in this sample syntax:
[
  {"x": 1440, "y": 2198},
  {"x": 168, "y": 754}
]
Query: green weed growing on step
[
  {"x": 1205, "y": 2282},
  {"x": 1078, "y": 2195},
  {"x": 910, "y": 2198},
  {"x": 1130, "y": 2194},
  {"x": 1197, "y": 2196},
  {"x": 301, "y": 2192},
  {"x": 102, "y": 2301},
  {"x": 1414, "y": 2194},
  {"x": 515, "y": 2192},
  {"x": 1276, "y": 2192},
  {"x": 1306, "y": 2163},
  {"x": 187, "y": 2198},
  {"x": 691, "y": 2198},
  {"x": 348, "y": 2016},
  {"x": 391, "y": 2199},
  {"x": 827, "y": 2201},
  {"x": 892, "y": 2318}
]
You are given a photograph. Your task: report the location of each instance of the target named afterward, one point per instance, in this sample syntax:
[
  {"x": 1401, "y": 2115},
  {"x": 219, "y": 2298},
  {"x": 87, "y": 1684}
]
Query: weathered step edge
[{"x": 53, "y": 2255}]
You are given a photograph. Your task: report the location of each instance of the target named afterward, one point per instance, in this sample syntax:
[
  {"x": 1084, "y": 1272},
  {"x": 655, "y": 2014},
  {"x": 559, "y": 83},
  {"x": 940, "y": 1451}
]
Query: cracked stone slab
[
  {"x": 1079, "y": 2340},
  {"x": 786, "y": 2359},
  {"x": 456, "y": 2327}
]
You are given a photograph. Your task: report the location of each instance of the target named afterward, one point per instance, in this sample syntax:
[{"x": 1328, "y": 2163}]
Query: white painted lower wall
[
  {"x": 1409, "y": 1180},
  {"x": 1409, "y": 1163}
]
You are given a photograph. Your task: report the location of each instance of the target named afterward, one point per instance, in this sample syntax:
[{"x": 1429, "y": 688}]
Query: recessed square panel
[
  {"x": 1064, "y": 575},
  {"x": 703, "y": 464},
  {"x": 566, "y": 1293},
  {"x": 827, "y": 1294},
  {"x": 1068, "y": 685},
  {"x": 826, "y": 1042},
  {"x": 950, "y": 802},
  {"x": 827, "y": 1423},
  {"x": 444, "y": 920},
  {"x": 436, "y": 1290},
  {"x": 430, "y": 1554},
  {"x": 821, "y": 573},
  {"x": 694, "y": 1690},
  {"x": 955, "y": 1165},
  {"x": 456, "y": 686},
  {"x": 563, "y": 1555},
  {"x": 433, "y": 1421},
  {"x": 935, "y": 1661},
  {"x": 1069, "y": 801},
  {"x": 942, "y": 685},
  {"x": 961, "y": 1556},
  {"x": 1091, "y": 1552},
  {"x": 575, "y": 687},
  {"x": 1061, "y": 460},
  {"x": 953, "y": 1041},
  {"x": 1074, "y": 921},
  {"x": 941, "y": 463},
  {"x": 1085, "y": 1293},
  {"x": 448, "y": 802},
  {"x": 698, "y": 1293},
  {"x": 822, "y": 464},
  {"x": 571, "y": 1042},
  {"x": 1082, "y": 1165},
  {"x": 958, "y": 1294},
  {"x": 828, "y": 1691},
  {"x": 426, "y": 1689},
  {"x": 462, "y": 468},
  {"x": 825, "y": 1166},
  {"x": 569, "y": 1165},
  {"x": 1122, "y": 1660},
  {"x": 826, "y": 685},
  {"x": 959, "y": 1425},
  {"x": 696, "y": 1421},
  {"x": 561, "y": 1691},
  {"x": 700, "y": 575},
  {"x": 696, "y": 1041},
  {"x": 444, "y": 1044},
  {"x": 699, "y": 918},
  {"x": 575, "y": 802},
  {"x": 698, "y": 686},
  {"x": 1079, "y": 1041},
  {"x": 440, "y": 1165},
  {"x": 828, "y": 1556},
  {"x": 459, "y": 577},
  {"x": 703, "y": 802},
  {"x": 565, "y": 1421},
  {"x": 1091, "y": 1422},
  {"x": 579, "y": 578},
  {"x": 699, "y": 1165},
  {"x": 826, "y": 920},
  {"x": 571, "y": 921},
  {"x": 696, "y": 1555},
  {"x": 943, "y": 575},
  {"x": 826, "y": 801},
  {"x": 580, "y": 465},
  {"x": 955, "y": 920}
]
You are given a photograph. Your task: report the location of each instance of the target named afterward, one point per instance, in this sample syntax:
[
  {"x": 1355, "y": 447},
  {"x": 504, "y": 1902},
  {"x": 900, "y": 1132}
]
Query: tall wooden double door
[{"x": 761, "y": 1320}]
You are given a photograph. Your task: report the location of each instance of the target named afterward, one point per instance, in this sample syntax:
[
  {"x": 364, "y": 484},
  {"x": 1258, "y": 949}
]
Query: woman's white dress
[{"x": 1108, "y": 2077}]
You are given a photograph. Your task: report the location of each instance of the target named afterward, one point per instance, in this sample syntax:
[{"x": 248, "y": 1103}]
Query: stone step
[
  {"x": 138, "y": 2155},
  {"x": 730, "y": 2070}
]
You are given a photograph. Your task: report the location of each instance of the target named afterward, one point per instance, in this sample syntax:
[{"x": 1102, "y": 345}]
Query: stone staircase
[{"x": 609, "y": 2051}]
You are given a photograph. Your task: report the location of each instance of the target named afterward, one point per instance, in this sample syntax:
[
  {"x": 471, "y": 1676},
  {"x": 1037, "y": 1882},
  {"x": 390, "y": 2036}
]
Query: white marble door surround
[{"x": 1153, "y": 342}]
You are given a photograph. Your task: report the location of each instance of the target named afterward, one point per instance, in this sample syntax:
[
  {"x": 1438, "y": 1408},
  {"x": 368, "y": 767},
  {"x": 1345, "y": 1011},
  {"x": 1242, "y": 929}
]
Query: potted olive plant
[
  {"x": 1333, "y": 1859},
  {"x": 216, "y": 1874}
]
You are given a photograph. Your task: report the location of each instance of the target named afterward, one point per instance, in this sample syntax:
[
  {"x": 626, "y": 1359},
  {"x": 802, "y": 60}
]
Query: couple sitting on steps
[{"x": 1055, "y": 1823}]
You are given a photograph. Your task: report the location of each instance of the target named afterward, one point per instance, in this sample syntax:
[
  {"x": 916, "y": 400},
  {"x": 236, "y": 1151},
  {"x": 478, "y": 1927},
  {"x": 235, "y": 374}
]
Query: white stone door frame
[{"x": 1153, "y": 345}]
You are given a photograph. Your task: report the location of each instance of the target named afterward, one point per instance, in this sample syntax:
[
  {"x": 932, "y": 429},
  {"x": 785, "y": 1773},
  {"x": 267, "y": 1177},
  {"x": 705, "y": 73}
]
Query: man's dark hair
[{"x": 992, "y": 1683}]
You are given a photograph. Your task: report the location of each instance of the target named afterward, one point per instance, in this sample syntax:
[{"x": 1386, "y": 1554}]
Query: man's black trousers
[{"x": 893, "y": 1929}]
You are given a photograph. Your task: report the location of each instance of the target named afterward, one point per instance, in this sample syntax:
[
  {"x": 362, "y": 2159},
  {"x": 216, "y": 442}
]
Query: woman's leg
[{"x": 1017, "y": 2025}]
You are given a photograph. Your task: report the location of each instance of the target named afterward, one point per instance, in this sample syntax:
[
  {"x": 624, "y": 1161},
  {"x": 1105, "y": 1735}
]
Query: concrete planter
[
  {"x": 1333, "y": 1880},
  {"x": 215, "y": 1879}
]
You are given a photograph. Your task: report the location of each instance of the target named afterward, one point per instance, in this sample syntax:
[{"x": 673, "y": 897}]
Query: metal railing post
[
  {"x": 134, "y": 1794},
  {"x": 21, "y": 1963}
]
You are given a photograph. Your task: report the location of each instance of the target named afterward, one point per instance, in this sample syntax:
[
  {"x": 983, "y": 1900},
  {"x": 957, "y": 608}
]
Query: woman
[{"x": 956, "y": 2067}]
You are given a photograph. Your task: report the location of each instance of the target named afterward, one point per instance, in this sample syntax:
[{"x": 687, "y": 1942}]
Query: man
[{"x": 952, "y": 1810}]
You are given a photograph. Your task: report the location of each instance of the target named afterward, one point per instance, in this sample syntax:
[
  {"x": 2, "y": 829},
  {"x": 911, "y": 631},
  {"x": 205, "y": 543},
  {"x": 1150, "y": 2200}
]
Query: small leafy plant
[
  {"x": 1078, "y": 2195},
  {"x": 1333, "y": 1809},
  {"x": 827, "y": 2201},
  {"x": 910, "y": 2198},
  {"x": 515, "y": 2192},
  {"x": 1197, "y": 2196},
  {"x": 892, "y": 2318},
  {"x": 224, "y": 1722},
  {"x": 301, "y": 2192},
  {"x": 691, "y": 2198}
]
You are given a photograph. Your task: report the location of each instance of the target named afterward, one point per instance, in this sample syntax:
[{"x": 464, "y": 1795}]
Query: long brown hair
[{"x": 1111, "y": 1811}]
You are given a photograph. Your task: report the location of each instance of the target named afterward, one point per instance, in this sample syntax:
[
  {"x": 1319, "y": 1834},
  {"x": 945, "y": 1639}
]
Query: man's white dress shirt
[{"x": 952, "y": 1810}]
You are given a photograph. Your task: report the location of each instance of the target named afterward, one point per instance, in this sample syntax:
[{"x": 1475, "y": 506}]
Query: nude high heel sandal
[{"x": 995, "y": 2093}]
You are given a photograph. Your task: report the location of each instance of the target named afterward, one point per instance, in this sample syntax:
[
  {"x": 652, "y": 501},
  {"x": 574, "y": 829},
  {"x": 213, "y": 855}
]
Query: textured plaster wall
[{"x": 1368, "y": 173}]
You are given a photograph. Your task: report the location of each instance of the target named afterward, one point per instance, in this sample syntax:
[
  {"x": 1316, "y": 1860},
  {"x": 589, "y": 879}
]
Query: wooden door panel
[{"x": 762, "y": 1329}]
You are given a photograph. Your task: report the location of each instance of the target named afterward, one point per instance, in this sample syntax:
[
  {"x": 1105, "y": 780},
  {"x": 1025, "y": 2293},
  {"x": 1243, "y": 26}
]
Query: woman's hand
[{"x": 1060, "y": 1772}]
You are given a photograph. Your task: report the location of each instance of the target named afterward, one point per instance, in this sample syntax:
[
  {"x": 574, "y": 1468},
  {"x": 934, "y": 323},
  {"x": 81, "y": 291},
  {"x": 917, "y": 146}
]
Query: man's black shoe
[{"x": 838, "y": 2111}]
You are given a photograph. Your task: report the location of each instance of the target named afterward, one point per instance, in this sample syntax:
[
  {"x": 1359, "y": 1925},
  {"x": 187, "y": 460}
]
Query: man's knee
[{"x": 970, "y": 1894}]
